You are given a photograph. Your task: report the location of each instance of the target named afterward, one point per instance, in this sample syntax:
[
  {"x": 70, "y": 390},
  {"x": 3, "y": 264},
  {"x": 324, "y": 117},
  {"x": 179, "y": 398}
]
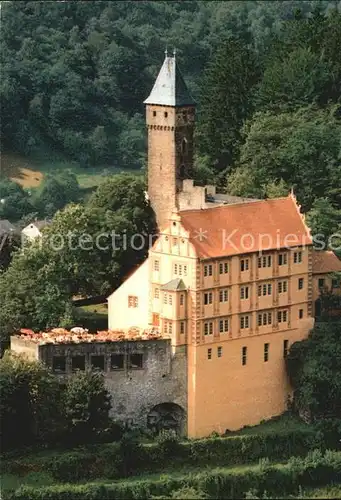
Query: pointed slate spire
[{"x": 170, "y": 88}]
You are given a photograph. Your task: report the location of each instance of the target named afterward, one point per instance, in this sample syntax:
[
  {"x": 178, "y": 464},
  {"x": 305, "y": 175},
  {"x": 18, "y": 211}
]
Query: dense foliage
[
  {"x": 274, "y": 481},
  {"x": 75, "y": 74},
  {"x": 37, "y": 409},
  {"x": 86, "y": 250},
  {"x": 24, "y": 206},
  {"x": 314, "y": 367}
]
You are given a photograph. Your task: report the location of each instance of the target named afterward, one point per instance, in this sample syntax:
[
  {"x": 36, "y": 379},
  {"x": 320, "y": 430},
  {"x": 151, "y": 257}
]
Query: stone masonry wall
[{"x": 135, "y": 391}]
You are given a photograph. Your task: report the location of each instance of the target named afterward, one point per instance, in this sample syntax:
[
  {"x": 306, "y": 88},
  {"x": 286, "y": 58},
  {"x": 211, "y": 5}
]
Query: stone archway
[{"x": 167, "y": 416}]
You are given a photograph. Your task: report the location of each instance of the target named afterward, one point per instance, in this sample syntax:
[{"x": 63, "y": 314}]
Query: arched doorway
[{"x": 167, "y": 416}]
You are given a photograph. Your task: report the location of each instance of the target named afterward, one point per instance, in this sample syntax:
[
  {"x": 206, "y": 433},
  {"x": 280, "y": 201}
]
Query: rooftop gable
[
  {"x": 243, "y": 228},
  {"x": 174, "y": 285},
  {"x": 325, "y": 262}
]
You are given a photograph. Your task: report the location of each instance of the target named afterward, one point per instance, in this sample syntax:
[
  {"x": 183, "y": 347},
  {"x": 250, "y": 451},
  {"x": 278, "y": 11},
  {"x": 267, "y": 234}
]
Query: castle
[{"x": 230, "y": 284}]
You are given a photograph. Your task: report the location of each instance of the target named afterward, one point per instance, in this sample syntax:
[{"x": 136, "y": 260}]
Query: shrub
[{"x": 315, "y": 469}]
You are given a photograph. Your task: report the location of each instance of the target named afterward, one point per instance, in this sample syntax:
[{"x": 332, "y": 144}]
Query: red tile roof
[
  {"x": 325, "y": 262},
  {"x": 246, "y": 227}
]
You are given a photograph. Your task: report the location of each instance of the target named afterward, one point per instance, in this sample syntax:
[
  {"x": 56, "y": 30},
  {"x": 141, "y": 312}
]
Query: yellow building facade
[{"x": 234, "y": 284}]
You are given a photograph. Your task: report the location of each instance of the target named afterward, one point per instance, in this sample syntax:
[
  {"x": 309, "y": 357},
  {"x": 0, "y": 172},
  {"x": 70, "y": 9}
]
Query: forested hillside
[{"x": 75, "y": 74}]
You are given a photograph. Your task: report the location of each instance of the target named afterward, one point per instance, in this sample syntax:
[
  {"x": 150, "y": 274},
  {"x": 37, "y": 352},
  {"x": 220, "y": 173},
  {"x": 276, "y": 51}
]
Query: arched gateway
[{"x": 168, "y": 416}]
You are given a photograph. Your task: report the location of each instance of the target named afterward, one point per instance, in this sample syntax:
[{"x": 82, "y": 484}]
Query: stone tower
[{"x": 170, "y": 112}]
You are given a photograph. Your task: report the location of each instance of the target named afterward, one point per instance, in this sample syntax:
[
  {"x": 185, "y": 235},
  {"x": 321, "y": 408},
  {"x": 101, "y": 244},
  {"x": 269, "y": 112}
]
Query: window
[
  {"x": 282, "y": 286},
  {"x": 244, "y": 264},
  {"x": 244, "y": 292},
  {"x": 297, "y": 257},
  {"x": 133, "y": 301},
  {"x": 223, "y": 267},
  {"x": 282, "y": 259},
  {"x": 208, "y": 298},
  {"x": 175, "y": 241},
  {"x": 264, "y": 318},
  {"x": 321, "y": 283},
  {"x": 154, "y": 113},
  {"x": 208, "y": 270},
  {"x": 300, "y": 283},
  {"x": 244, "y": 322},
  {"x": 166, "y": 114},
  {"x": 170, "y": 327},
  {"x": 182, "y": 299},
  {"x": 156, "y": 293},
  {"x": 59, "y": 364},
  {"x": 282, "y": 316},
  {"x": 156, "y": 265},
  {"x": 135, "y": 361},
  {"x": 97, "y": 362},
  {"x": 185, "y": 270},
  {"x": 180, "y": 270},
  {"x": 117, "y": 362},
  {"x": 285, "y": 348},
  {"x": 223, "y": 325},
  {"x": 265, "y": 289},
  {"x": 244, "y": 355},
  {"x": 223, "y": 295},
  {"x": 175, "y": 268},
  {"x": 209, "y": 353},
  {"x": 219, "y": 351},
  {"x": 78, "y": 363},
  {"x": 165, "y": 298},
  {"x": 265, "y": 261},
  {"x": 165, "y": 326},
  {"x": 170, "y": 300},
  {"x": 300, "y": 313},
  {"x": 266, "y": 352},
  {"x": 335, "y": 283},
  {"x": 208, "y": 328},
  {"x": 182, "y": 327}
]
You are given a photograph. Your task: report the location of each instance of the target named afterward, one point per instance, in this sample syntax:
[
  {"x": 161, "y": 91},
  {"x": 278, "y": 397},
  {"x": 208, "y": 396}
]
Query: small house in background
[
  {"x": 6, "y": 227},
  {"x": 34, "y": 230}
]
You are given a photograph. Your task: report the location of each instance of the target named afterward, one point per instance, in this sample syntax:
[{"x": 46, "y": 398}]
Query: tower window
[
  {"x": 300, "y": 283},
  {"x": 219, "y": 351},
  {"x": 166, "y": 114},
  {"x": 154, "y": 113},
  {"x": 209, "y": 353}
]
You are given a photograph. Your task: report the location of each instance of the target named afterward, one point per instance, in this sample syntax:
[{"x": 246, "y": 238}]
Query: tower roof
[{"x": 170, "y": 88}]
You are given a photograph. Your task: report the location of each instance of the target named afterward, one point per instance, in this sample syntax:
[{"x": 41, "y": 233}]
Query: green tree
[
  {"x": 296, "y": 80},
  {"x": 56, "y": 191},
  {"x": 324, "y": 221},
  {"x": 15, "y": 202},
  {"x": 300, "y": 147},
  {"x": 225, "y": 102},
  {"x": 30, "y": 409},
  {"x": 314, "y": 367},
  {"x": 86, "y": 405}
]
